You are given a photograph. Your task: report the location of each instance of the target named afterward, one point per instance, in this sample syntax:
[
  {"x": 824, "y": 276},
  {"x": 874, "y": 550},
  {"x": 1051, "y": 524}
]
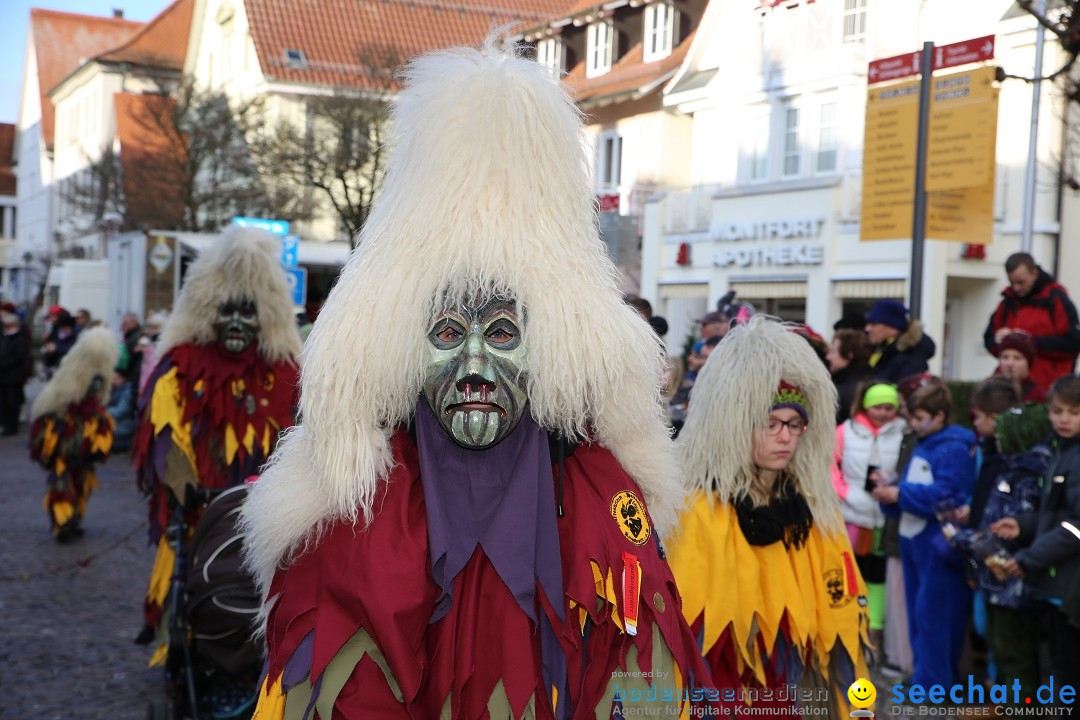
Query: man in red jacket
[{"x": 1036, "y": 304}]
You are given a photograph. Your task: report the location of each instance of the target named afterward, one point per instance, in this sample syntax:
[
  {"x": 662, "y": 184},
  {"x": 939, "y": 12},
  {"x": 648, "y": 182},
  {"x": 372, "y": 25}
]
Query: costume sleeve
[
  {"x": 953, "y": 479},
  {"x": 1067, "y": 340}
]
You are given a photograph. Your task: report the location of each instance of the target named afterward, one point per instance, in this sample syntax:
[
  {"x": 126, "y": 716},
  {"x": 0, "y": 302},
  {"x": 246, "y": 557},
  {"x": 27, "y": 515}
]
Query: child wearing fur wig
[
  {"x": 766, "y": 569},
  {"x": 71, "y": 430},
  {"x": 936, "y": 481},
  {"x": 867, "y": 453}
]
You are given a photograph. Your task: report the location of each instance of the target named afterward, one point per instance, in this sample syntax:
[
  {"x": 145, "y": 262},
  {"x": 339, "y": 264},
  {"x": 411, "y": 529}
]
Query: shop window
[
  {"x": 549, "y": 53},
  {"x": 792, "y": 143},
  {"x": 854, "y": 21},
  {"x": 826, "y": 149},
  {"x": 600, "y": 41},
  {"x": 659, "y": 30}
]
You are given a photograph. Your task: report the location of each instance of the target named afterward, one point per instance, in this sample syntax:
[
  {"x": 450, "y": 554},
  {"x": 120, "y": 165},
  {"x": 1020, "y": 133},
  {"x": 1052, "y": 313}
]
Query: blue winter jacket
[{"x": 941, "y": 469}]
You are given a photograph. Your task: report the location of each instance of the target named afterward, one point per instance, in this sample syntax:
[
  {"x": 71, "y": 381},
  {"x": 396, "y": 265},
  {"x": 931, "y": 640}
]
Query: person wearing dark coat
[
  {"x": 59, "y": 341},
  {"x": 901, "y": 348},
  {"x": 847, "y": 358},
  {"x": 1049, "y": 558},
  {"x": 14, "y": 352}
]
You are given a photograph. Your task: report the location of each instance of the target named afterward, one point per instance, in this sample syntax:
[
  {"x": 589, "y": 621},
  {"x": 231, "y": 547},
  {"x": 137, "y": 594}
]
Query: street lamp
[{"x": 27, "y": 258}]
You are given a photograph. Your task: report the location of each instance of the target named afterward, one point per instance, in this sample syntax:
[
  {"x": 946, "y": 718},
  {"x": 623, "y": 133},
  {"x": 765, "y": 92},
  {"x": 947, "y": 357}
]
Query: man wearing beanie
[
  {"x": 901, "y": 348},
  {"x": 1038, "y": 305},
  {"x": 1016, "y": 358}
]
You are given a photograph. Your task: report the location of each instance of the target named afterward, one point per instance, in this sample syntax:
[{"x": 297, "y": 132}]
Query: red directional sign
[
  {"x": 962, "y": 53},
  {"x": 893, "y": 68},
  {"x": 946, "y": 56}
]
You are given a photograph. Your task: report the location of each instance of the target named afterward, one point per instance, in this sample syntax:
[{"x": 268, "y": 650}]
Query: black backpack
[{"x": 221, "y": 601}]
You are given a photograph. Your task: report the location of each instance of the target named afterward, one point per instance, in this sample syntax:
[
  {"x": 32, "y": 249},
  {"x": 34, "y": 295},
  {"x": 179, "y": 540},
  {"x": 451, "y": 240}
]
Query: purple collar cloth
[{"x": 502, "y": 499}]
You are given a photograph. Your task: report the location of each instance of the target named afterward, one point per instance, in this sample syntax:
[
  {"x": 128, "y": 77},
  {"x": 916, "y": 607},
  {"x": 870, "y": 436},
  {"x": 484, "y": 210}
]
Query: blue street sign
[
  {"x": 297, "y": 278},
  {"x": 290, "y": 245},
  {"x": 274, "y": 227}
]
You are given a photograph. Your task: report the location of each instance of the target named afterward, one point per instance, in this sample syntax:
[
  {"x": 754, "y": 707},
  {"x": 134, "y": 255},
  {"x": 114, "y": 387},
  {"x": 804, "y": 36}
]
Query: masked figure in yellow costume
[
  {"x": 71, "y": 430},
  {"x": 768, "y": 578}
]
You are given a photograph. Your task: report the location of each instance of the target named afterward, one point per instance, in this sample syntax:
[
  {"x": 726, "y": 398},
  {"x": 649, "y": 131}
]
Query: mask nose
[{"x": 476, "y": 368}]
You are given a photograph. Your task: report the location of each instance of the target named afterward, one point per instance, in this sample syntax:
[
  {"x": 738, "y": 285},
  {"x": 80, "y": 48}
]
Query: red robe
[{"x": 379, "y": 581}]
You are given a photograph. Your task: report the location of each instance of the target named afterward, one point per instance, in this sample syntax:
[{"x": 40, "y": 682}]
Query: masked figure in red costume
[
  {"x": 225, "y": 386},
  {"x": 467, "y": 523}
]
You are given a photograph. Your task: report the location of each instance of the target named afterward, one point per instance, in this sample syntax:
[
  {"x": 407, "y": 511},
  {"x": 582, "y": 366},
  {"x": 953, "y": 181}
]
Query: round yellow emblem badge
[{"x": 629, "y": 513}]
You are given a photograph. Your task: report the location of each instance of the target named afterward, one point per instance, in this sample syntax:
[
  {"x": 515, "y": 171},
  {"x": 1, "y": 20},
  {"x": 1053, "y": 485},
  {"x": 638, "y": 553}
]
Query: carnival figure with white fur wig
[
  {"x": 762, "y": 558},
  {"x": 225, "y": 386},
  {"x": 71, "y": 431},
  {"x": 467, "y": 522}
]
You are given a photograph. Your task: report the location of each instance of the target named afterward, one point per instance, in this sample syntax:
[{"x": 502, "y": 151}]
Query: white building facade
[{"x": 777, "y": 95}]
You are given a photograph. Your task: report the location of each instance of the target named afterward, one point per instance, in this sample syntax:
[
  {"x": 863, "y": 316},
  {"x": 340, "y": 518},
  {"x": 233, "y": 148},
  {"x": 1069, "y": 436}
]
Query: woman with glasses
[{"x": 762, "y": 558}]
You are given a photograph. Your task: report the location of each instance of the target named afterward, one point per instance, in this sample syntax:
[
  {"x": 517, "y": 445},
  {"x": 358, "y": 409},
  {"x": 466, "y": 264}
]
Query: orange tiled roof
[
  {"x": 64, "y": 40},
  {"x": 629, "y": 74},
  {"x": 162, "y": 42},
  {"x": 152, "y": 159},
  {"x": 340, "y": 38},
  {"x": 7, "y": 153}
]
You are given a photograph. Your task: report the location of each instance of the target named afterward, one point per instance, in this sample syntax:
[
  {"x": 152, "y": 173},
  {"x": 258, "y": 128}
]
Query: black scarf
[{"x": 787, "y": 517}]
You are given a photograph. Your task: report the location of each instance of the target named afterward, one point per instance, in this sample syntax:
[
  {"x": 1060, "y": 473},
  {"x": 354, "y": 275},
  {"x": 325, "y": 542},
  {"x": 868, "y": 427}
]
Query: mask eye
[
  {"x": 499, "y": 336},
  {"x": 448, "y": 334}
]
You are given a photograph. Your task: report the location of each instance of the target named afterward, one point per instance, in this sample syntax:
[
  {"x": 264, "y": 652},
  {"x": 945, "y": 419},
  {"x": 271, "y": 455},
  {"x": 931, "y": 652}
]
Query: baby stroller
[{"x": 213, "y": 663}]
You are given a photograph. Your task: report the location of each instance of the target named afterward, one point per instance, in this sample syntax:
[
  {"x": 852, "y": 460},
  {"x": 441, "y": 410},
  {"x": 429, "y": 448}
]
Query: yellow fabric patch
[
  {"x": 167, "y": 411},
  {"x": 48, "y": 446},
  {"x": 752, "y": 588},
  {"x": 158, "y": 589},
  {"x": 159, "y": 656},
  {"x": 605, "y": 589},
  {"x": 62, "y": 512},
  {"x": 271, "y": 705}
]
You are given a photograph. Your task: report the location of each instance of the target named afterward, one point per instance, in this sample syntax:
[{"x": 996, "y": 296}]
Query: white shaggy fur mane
[
  {"x": 731, "y": 400},
  {"x": 242, "y": 262},
  {"x": 487, "y": 190},
  {"x": 94, "y": 353}
]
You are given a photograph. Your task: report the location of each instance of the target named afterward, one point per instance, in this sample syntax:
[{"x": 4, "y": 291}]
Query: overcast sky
[{"x": 15, "y": 19}]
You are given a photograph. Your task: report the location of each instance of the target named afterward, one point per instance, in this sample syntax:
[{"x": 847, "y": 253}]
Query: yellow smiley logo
[{"x": 862, "y": 693}]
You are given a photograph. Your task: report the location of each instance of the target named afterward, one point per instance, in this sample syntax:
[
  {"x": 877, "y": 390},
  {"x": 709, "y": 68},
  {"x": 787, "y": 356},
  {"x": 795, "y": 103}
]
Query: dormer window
[
  {"x": 296, "y": 59},
  {"x": 659, "y": 30},
  {"x": 600, "y": 42},
  {"x": 549, "y": 53}
]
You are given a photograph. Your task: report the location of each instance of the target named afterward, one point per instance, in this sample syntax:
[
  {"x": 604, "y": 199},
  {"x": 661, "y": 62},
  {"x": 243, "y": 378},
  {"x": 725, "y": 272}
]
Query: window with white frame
[
  {"x": 549, "y": 53},
  {"x": 792, "y": 145},
  {"x": 600, "y": 48},
  {"x": 758, "y": 148},
  {"x": 659, "y": 30},
  {"x": 826, "y": 146},
  {"x": 854, "y": 21},
  {"x": 227, "y": 50},
  {"x": 609, "y": 160}
]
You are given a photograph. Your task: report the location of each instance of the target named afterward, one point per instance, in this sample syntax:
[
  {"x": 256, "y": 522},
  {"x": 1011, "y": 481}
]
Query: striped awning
[
  {"x": 769, "y": 290},
  {"x": 869, "y": 289}
]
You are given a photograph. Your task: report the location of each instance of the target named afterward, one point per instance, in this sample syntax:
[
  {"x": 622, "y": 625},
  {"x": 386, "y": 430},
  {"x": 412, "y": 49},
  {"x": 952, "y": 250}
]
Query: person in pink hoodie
[{"x": 867, "y": 453}]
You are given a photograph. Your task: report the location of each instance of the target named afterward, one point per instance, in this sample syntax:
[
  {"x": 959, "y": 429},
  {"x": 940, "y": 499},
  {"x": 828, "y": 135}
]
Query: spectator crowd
[{"x": 966, "y": 533}]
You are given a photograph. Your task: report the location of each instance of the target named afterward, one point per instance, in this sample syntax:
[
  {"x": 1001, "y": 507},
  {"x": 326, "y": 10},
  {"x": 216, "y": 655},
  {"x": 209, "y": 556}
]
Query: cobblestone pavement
[{"x": 69, "y": 613}]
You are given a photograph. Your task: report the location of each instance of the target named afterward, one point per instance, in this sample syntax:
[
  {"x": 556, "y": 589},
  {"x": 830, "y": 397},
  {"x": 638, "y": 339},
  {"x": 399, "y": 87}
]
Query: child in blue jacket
[{"x": 938, "y": 477}]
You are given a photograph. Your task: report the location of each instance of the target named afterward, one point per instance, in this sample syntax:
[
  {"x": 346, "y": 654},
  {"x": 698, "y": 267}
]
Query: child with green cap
[{"x": 867, "y": 453}]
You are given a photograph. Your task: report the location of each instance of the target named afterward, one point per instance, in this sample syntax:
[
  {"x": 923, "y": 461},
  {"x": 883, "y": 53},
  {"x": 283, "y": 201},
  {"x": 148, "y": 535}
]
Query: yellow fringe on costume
[
  {"x": 271, "y": 705},
  {"x": 167, "y": 411},
  {"x": 751, "y": 588}
]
